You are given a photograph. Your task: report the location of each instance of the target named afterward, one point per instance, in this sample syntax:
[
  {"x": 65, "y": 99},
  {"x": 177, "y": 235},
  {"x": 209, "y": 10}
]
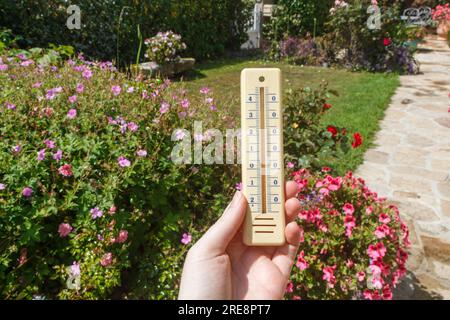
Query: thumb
[{"x": 217, "y": 238}]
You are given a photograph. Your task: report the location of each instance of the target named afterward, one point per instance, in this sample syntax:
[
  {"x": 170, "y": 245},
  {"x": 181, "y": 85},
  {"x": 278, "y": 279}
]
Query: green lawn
[{"x": 360, "y": 106}]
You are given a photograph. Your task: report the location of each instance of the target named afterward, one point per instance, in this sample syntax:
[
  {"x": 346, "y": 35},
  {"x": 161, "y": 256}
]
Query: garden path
[{"x": 410, "y": 165}]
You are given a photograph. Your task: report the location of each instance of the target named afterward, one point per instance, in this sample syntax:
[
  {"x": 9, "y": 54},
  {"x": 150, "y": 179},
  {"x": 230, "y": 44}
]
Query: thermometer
[{"x": 262, "y": 157}]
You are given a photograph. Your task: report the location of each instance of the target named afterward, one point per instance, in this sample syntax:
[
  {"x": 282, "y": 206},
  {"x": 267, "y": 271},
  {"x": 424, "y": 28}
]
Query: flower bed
[{"x": 353, "y": 244}]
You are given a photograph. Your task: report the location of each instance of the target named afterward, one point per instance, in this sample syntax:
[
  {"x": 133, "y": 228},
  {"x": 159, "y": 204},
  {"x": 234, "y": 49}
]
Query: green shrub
[
  {"x": 109, "y": 28},
  {"x": 354, "y": 45}
]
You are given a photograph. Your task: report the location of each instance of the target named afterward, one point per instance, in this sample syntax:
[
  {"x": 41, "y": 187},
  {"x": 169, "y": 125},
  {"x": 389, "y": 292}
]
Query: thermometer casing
[{"x": 262, "y": 156}]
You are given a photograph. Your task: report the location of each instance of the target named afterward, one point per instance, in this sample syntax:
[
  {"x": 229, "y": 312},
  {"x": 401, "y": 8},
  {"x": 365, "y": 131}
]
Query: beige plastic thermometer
[{"x": 262, "y": 157}]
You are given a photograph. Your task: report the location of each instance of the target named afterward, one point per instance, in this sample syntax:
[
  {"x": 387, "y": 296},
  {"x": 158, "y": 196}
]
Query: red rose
[
  {"x": 333, "y": 130},
  {"x": 357, "y": 140},
  {"x": 327, "y": 106},
  {"x": 387, "y": 41}
]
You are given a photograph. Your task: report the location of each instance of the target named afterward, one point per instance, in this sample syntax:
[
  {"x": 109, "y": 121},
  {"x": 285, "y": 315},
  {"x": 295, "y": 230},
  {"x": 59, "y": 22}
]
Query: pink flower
[
  {"x": 382, "y": 231},
  {"x": 64, "y": 229},
  {"x": 348, "y": 209},
  {"x": 164, "y": 108},
  {"x": 87, "y": 73},
  {"x": 387, "y": 293},
  {"x": 10, "y": 106},
  {"x": 369, "y": 210},
  {"x": 185, "y": 103},
  {"x": 27, "y": 192},
  {"x": 349, "y": 223},
  {"x": 204, "y": 90},
  {"x": 116, "y": 90},
  {"x": 213, "y": 108},
  {"x": 49, "y": 143},
  {"x": 107, "y": 259},
  {"x": 328, "y": 275},
  {"x": 75, "y": 269},
  {"x": 301, "y": 262},
  {"x": 37, "y": 85},
  {"x": 142, "y": 153},
  {"x": 130, "y": 90},
  {"x": 112, "y": 210},
  {"x": 290, "y": 165},
  {"x": 2, "y": 186},
  {"x": 186, "y": 238},
  {"x": 73, "y": 99},
  {"x": 387, "y": 42},
  {"x": 376, "y": 251},
  {"x": 66, "y": 170},
  {"x": 182, "y": 114},
  {"x": 239, "y": 186},
  {"x": 123, "y": 162},
  {"x": 72, "y": 113},
  {"x": 3, "y": 67},
  {"x": 96, "y": 213},
  {"x": 41, "y": 155},
  {"x": 80, "y": 88},
  {"x": 384, "y": 218},
  {"x": 290, "y": 287},
  {"x": 132, "y": 126},
  {"x": 122, "y": 237},
  {"x": 361, "y": 276},
  {"x": 58, "y": 155},
  {"x": 50, "y": 95}
]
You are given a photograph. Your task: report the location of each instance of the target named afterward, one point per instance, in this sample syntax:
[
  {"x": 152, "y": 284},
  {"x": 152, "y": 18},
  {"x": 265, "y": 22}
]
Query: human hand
[{"x": 221, "y": 267}]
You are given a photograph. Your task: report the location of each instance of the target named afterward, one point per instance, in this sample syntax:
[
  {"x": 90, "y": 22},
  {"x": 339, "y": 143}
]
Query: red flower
[
  {"x": 333, "y": 130},
  {"x": 387, "y": 42},
  {"x": 327, "y": 106},
  {"x": 357, "y": 140},
  {"x": 66, "y": 170}
]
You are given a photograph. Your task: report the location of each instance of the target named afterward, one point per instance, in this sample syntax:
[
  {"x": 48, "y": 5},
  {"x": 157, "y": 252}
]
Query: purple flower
[
  {"x": 50, "y": 95},
  {"x": 116, "y": 90},
  {"x": 11, "y": 106},
  {"x": 72, "y": 113},
  {"x": 87, "y": 73},
  {"x": 21, "y": 56},
  {"x": 96, "y": 213},
  {"x": 27, "y": 192},
  {"x": 132, "y": 126},
  {"x": 3, "y": 67},
  {"x": 179, "y": 135},
  {"x": 58, "y": 155},
  {"x": 186, "y": 238},
  {"x": 2, "y": 186},
  {"x": 26, "y": 63},
  {"x": 130, "y": 90},
  {"x": 239, "y": 186},
  {"x": 213, "y": 108},
  {"x": 41, "y": 155},
  {"x": 182, "y": 114},
  {"x": 80, "y": 88},
  {"x": 17, "y": 149},
  {"x": 49, "y": 143},
  {"x": 142, "y": 153},
  {"x": 37, "y": 85},
  {"x": 123, "y": 162}
]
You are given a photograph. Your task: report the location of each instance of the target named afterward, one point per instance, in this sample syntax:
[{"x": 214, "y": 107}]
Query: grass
[{"x": 363, "y": 97}]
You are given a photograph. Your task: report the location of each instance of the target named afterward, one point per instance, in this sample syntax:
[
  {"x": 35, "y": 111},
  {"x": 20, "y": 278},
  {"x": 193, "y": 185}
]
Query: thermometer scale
[{"x": 262, "y": 157}]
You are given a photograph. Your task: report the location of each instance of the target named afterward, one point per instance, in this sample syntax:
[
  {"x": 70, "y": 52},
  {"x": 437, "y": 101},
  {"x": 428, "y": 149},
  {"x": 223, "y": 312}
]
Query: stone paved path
[{"x": 410, "y": 164}]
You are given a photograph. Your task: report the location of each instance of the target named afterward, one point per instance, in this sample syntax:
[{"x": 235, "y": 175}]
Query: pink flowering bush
[
  {"x": 164, "y": 47},
  {"x": 353, "y": 243},
  {"x": 91, "y": 205}
]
